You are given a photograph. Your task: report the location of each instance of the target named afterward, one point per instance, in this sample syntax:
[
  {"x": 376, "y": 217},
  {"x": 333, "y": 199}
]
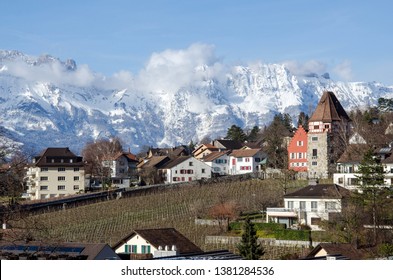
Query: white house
[
  {"x": 347, "y": 167},
  {"x": 56, "y": 172},
  {"x": 246, "y": 161},
  {"x": 183, "y": 169},
  {"x": 122, "y": 168},
  {"x": 218, "y": 161},
  {"x": 157, "y": 242},
  {"x": 309, "y": 206}
]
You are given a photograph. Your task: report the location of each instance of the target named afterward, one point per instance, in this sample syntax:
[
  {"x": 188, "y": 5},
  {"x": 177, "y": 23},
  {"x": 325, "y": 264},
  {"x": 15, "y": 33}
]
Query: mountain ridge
[{"x": 48, "y": 102}]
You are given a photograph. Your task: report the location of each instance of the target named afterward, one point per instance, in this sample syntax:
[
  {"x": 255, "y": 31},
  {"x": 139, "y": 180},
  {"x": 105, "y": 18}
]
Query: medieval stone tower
[{"x": 328, "y": 130}]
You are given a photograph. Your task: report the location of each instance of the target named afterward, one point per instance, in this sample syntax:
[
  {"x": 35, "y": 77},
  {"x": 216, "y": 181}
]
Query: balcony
[{"x": 281, "y": 212}]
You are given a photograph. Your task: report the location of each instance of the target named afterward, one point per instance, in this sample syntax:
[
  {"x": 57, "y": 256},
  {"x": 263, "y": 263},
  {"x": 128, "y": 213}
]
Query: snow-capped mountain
[{"x": 47, "y": 102}]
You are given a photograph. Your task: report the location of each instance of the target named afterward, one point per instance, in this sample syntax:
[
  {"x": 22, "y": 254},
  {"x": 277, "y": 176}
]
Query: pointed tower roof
[{"x": 329, "y": 109}]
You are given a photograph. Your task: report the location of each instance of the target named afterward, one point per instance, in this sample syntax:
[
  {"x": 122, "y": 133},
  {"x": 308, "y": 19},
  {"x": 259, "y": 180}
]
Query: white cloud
[
  {"x": 304, "y": 68},
  {"x": 170, "y": 70},
  {"x": 344, "y": 70},
  {"x": 53, "y": 72}
]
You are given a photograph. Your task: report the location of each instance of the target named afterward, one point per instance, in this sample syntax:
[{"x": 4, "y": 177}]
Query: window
[
  {"x": 290, "y": 204},
  {"x": 315, "y": 221},
  {"x": 314, "y": 163},
  {"x": 76, "y": 187},
  {"x": 130, "y": 249},
  {"x": 43, "y": 188},
  {"x": 190, "y": 171},
  {"x": 76, "y": 178},
  {"x": 61, "y": 187},
  {"x": 44, "y": 169},
  {"x": 314, "y": 206},
  {"x": 203, "y": 170},
  {"x": 247, "y": 159},
  {"x": 316, "y": 126},
  {"x": 61, "y": 169},
  {"x": 240, "y": 159},
  {"x": 300, "y": 155},
  {"x": 44, "y": 178},
  {"x": 300, "y": 143},
  {"x": 76, "y": 169},
  {"x": 190, "y": 163},
  {"x": 61, "y": 178},
  {"x": 326, "y": 126},
  {"x": 353, "y": 181},
  {"x": 302, "y": 205},
  {"x": 145, "y": 249},
  {"x": 330, "y": 205},
  {"x": 314, "y": 153},
  {"x": 257, "y": 159},
  {"x": 314, "y": 138}
]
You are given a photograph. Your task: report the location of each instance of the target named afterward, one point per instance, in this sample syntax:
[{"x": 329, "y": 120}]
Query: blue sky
[{"x": 352, "y": 40}]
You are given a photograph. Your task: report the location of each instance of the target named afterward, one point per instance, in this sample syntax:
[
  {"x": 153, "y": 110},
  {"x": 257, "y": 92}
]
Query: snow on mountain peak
[{"x": 47, "y": 102}]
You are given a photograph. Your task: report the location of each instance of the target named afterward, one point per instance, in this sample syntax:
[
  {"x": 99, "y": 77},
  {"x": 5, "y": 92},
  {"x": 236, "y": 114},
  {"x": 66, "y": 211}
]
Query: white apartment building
[{"x": 56, "y": 172}]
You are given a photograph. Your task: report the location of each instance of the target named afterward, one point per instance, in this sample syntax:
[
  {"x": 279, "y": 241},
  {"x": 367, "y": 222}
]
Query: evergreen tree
[
  {"x": 252, "y": 137},
  {"x": 374, "y": 194},
  {"x": 236, "y": 133},
  {"x": 191, "y": 145},
  {"x": 303, "y": 120},
  {"x": 249, "y": 248}
]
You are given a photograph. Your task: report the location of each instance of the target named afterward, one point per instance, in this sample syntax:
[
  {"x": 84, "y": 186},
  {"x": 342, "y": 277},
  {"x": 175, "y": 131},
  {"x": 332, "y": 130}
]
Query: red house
[{"x": 297, "y": 151}]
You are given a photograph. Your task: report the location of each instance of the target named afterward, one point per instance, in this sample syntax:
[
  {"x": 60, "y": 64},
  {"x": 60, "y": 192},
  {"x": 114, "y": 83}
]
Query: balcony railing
[{"x": 280, "y": 210}]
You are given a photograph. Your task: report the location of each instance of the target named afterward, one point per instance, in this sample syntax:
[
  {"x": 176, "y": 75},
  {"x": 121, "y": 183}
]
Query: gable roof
[
  {"x": 244, "y": 153},
  {"x": 320, "y": 191},
  {"x": 329, "y": 109},
  {"x": 353, "y": 154},
  {"x": 58, "y": 157},
  {"x": 154, "y": 161},
  {"x": 203, "y": 147},
  {"x": 347, "y": 250},
  {"x": 227, "y": 144},
  {"x": 175, "y": 161},
  {"x": 163, "y": 237},
  {"x": 88, "y": 251},
  {"x": 214, "y": 155},
  {"x": 171, "y": 152}
]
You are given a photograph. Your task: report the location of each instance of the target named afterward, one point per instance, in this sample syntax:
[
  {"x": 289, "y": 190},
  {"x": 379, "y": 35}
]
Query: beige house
[
  {"x": 56, "y": 172},
  {"x": 203, "y": 150}
]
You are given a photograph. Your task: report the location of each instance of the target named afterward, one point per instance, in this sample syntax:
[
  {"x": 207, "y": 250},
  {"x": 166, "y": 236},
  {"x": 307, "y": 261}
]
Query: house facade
[
  {"x": 56, "y": 172},
  {"x": 309, "y": 206},
  {"x": 218, "y": 162},
  {"x": 246, "y": 161},
  {"x": 204, "y": 150},
  {"x": 122, "y": 169},
  {"x": 297, "y": 151},
  {"x": 184, "y": 169},
  {"x": 347, "y": 173},
  {"x": 154, "y": 243}
]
